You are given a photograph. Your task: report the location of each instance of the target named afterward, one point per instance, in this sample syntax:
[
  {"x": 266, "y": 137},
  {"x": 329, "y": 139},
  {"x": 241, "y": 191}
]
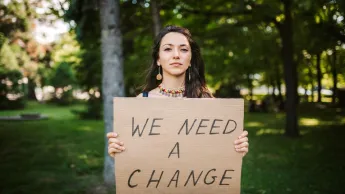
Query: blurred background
[{"x": 286, "y": 58}]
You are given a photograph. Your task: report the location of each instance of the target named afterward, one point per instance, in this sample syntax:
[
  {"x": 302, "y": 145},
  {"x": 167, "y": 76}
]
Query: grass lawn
[
  {"x": 65, "y": 155},
  {"x": 59, "y": 155}
]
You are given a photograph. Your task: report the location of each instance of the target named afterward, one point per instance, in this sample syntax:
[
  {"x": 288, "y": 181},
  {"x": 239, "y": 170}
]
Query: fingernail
[
  {"x": 123, "y": 148},
  {"x": 121, "y": 143}
]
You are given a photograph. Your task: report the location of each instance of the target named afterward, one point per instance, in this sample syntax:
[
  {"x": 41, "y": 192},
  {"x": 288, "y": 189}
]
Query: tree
[
  {"x": 86, "y": 16},
  {"x": 290, "y": 71},
  {"x": 112, "y": 79},
  {"x": 17, "y": 22},
  {"x": 63, "y": 79},
  {"x": 10, "y": 77},
  {"x": 255, "y": 12},
  {"x": 155, "y": 9}
]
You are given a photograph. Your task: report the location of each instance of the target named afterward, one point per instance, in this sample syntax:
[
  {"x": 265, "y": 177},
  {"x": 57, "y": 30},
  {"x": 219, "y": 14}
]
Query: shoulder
[
  {"x": 140, "y": 95},
  {"x": 152, "y": 94},
  {"x": 149, "y": 94}
]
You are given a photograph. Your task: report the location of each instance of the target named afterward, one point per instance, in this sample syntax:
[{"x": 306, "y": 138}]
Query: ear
[{"x": 158, "y": 62}]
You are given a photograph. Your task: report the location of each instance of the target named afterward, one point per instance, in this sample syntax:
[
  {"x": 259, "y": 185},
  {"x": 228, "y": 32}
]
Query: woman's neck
[{"x": 173, "y": 82}]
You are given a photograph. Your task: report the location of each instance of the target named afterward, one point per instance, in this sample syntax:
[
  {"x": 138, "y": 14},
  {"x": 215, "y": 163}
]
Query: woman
[{"x": 177, "y": 71}]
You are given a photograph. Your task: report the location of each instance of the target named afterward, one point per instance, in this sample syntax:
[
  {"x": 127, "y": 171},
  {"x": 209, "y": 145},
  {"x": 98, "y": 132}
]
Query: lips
[{"x": 176, "y": 64}]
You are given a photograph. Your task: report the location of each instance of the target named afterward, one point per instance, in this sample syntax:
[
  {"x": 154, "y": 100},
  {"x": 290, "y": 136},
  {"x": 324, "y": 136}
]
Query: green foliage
[
  {"x": 10, "y": 76},
  {"x": 93, "y": 109},
  {"x": 2, "y": 39},
  {"x": 63, "y": 75},
  {"x": 87, "y": 33},
  {"x": 13, "y": 17},
  {"x": 63, "y": 80},
  {"x": 239, "y": 40},
  {"x": 67, "y": 49},
  {"x": 9, "y": 85},
  {"x": 17, "y": 23},
  {"x": 8, "y": 58},
  {"x": 89, "y": 69}
]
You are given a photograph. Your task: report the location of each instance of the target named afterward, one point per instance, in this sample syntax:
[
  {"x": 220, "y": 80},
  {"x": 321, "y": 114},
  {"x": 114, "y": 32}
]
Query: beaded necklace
[{"x": 178, "y": 92}]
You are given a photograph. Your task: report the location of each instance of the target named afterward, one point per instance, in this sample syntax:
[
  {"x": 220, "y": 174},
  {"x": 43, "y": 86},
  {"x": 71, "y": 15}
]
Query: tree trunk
[
  {"x": 319, "y": 76},
  {"x": 273, "y": 87},
  {"x": 279, "y": 84},
  {"x": 311, "y": 77},
  {"x": 31, "y": 89},
  {"x": 250, "y": 86},
  {"x": 155, "y": 9},
  {"x": 290, "y": 72},
  {"x": 334, "y": 76},
  {"x": 112, "y": 78}
]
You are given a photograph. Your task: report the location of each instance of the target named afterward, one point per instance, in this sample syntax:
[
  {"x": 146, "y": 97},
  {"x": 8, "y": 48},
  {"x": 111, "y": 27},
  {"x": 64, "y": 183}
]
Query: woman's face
[{"x": 174, "y": 54}]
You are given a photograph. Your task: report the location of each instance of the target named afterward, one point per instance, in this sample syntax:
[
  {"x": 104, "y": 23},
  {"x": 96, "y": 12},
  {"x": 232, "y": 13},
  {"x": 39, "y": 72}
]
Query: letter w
[{"x": 137, "y": 128}]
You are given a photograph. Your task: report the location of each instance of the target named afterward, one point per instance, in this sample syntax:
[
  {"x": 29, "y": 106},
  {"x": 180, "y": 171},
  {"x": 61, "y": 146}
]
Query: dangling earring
[
  {"x": 190, "y": 69},
  {"x": 159, "y": 75}
]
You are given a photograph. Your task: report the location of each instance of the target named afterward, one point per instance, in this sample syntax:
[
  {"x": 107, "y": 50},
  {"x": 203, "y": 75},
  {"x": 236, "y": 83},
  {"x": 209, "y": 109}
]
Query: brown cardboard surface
[{"x": 204, "y": 161}]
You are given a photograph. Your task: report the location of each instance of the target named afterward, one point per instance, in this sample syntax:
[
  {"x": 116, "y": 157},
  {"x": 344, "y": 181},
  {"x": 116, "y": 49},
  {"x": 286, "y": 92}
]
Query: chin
[{"x": 176, "y": 72}]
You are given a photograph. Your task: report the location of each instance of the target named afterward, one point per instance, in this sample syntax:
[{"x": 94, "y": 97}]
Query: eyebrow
[{"x": 173, "y": 45}]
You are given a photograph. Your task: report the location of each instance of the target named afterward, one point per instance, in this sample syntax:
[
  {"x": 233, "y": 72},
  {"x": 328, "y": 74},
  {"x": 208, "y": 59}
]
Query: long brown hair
[{"x": 196, "y": 86}]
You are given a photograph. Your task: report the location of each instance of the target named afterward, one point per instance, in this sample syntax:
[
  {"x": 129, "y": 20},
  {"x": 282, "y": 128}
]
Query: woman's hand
[
  {"x": 241, "y": 143},
  {"x": 114, "y": 145}
]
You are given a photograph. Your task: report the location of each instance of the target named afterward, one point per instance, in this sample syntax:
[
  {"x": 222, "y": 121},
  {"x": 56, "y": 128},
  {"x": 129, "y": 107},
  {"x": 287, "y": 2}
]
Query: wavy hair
[{"x": 196, "y": 86}]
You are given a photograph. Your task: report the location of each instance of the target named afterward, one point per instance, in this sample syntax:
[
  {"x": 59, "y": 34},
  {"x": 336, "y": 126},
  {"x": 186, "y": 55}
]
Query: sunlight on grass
[
  {"x": 307, "y": 146},
  {"x": 303, "y": 132},
  {"x": 309, "y": 121},
  {"x": 280, "y": 116},
  {"x": 85, "y": 128},
  {"x": 342, "y": 121},
  {"x": 254, "y": 124},
  {"x": 269, "y": 131},
  {"x": 277, "y": 132},
  {"x": 82, "y": 156}
]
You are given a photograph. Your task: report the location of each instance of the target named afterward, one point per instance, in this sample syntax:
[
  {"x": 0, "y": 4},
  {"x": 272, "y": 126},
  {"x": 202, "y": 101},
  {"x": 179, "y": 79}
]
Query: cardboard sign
[{"x": 178, "y": 145}]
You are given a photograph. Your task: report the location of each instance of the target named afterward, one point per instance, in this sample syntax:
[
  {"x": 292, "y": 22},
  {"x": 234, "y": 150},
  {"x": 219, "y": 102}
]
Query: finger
[
  {"x": 239, "y": 141},
  {"x": 114, "y": 140},
  {"x": 244, "y": 134},
  {"x": 112, "y": 155},
  {"x": 111, "y": 134},
  {"x": 245, "y": 149},
  {"x": 116, "y": 146},
  {"x": 242, "y": 145},
  {"x": 113, "y": 151}
]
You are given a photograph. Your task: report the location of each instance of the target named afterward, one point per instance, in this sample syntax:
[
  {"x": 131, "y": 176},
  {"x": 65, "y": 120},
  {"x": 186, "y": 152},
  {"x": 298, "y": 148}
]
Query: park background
[{"x": 62, "y": 61}]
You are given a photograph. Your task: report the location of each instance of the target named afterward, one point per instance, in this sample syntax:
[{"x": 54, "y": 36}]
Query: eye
[
  {"x": 167, "y": 49},
  {"x": 184, "y": 50}
]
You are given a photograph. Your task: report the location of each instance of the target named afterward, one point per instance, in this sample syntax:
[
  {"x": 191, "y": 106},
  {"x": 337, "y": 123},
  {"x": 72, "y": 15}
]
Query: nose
[{"x": 176, "y": 54}]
